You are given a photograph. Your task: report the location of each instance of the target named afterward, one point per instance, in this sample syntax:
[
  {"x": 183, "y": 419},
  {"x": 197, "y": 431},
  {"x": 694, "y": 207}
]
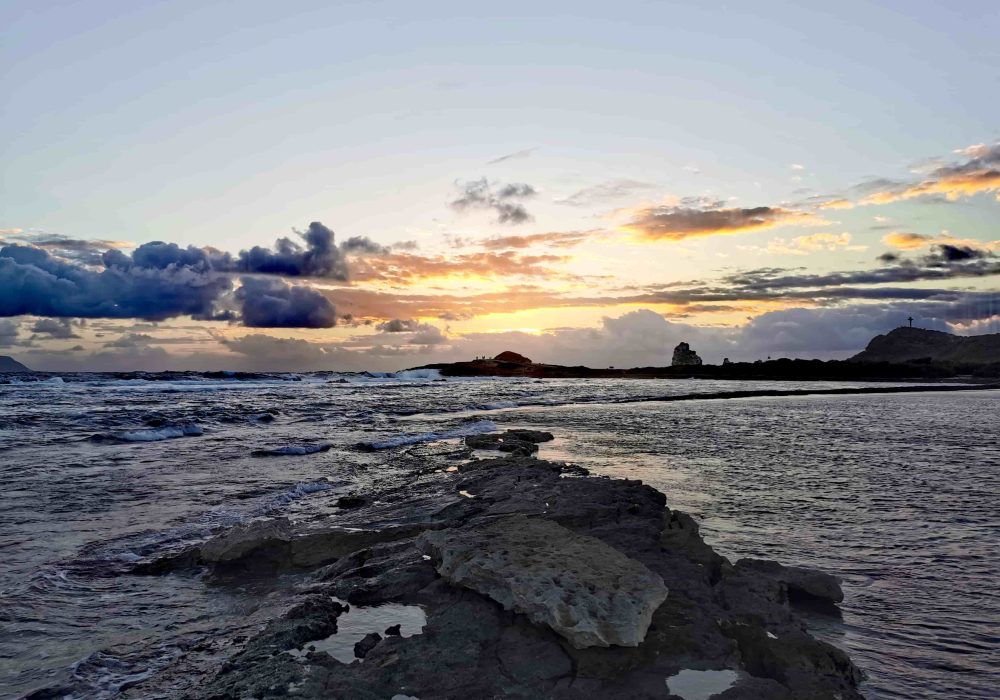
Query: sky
[{"x": 380, "y": 185}]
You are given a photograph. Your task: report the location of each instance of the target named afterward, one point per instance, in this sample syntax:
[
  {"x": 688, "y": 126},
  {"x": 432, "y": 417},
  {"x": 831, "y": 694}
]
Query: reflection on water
[
  {"x": 898, "y": 494},
  {"x": 359, "y": 621},
  {"x": 701, "y": 685}
]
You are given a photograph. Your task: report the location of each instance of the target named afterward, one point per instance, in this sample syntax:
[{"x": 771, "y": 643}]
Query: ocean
[{"x": 899, "y": 494}]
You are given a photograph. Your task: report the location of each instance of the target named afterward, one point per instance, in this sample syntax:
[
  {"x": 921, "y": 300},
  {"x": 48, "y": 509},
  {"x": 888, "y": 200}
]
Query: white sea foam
[
  {"x": 406, "y": 375},
  {"x": 474, "y": 428},
  {"x": 167, "y": 432}
]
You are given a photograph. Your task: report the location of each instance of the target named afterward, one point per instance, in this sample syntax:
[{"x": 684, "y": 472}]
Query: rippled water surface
[{"x": 898, "y": 494}]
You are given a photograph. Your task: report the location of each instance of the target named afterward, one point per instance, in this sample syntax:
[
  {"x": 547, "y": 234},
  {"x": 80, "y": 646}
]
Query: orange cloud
[
  {"x": 904, "y": 240},
  {"x": 404, "y": 268},
  {"x": 558, "y": 239},
  {"x": 676, "y": 223},
  {"x": 981, "y": 173},
  {"x": 837, "y": 204}
]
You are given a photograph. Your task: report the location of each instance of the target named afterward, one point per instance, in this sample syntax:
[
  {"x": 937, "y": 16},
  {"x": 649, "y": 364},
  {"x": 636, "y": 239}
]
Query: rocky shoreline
[{"x": 530, "y": 579}]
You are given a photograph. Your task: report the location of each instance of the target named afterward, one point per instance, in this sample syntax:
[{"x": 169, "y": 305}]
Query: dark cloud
[
  {"x": 948, "y": 253},
  {"x": 405, "y": 245},
  {"x": 319, "y": 257},
  {"x": 270, "y": 303},
  {"x": 504, "y": 201},
  {"x": 363, "y": 245},
  {"x": 675, "y": 223},
  {"x": 61, "y": 328},
  {"x": 34, "y": 282},
  {"x": 160, "y": 280}
]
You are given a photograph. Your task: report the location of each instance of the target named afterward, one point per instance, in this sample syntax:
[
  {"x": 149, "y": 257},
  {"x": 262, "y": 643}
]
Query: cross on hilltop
[{"x": 910, "y": 319}]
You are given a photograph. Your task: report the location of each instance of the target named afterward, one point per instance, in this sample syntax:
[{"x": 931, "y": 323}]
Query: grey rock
[
  {"x": 351, "y": 501},
  {"x": 684, "y": 356},
  {"x": 681, "y": 534},
  {"x": 586, "y": 591},
  {"x": 716, "y": 616},
  {"x": 798, "y": 580},
  {"x": 367, "y": 643},
  {"x": 246, "y": 539}
]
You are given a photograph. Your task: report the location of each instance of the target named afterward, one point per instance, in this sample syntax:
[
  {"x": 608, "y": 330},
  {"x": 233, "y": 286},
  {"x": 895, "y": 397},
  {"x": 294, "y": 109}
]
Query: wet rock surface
[
  {"x": 518, "y": 442},
  {"x": 587, "y": 592},
  {"x": 436, "y": 539}
]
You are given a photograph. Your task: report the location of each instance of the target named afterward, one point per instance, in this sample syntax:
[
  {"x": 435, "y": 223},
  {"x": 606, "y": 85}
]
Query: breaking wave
[
  {"x": 473, "y": 428},
  {"x": 166, "y": 432}
]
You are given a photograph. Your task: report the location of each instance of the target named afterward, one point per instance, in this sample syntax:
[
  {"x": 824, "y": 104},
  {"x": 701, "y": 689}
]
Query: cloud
[
  {"x": 34, "y": 282},
  {"x": 516, "y": 155},
  {"x": 85, "y": 251},
  {"x": 837, "y": 203},
  {"x": 9, "y": 333},
  {"x": 945, "y": 253},
  {"x": 980, "y": 172},
  {"x": 131, "y": 340},
  {"x": 606, "y": 191},
  {"x": 428, "y": 335},
  {"x": 286, "y": 353},
  {"x": 401, "y": 268},
  {"x": 676, "y": 223},
  {"x": 816, "y": 242},
  {"x": 60, "y": 328},
  {"x": 502, "y": 199},
  {"x": 423, "y": 333},
  {"x": 269, "y": 303},
  {"x": 820, "y": 332},
  {"x": 319, "y": 257},
  {"x": 904, "y": 240},
  {"x": 160, "y": 280},
  {"x": 558, "y": 239},
  {"x": 398, "y": 325},
  {"x": 362, "y": 245}
]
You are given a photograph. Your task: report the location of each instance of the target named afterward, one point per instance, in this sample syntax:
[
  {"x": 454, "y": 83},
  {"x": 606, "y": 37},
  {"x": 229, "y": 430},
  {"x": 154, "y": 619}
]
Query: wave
[
  {"x": 473, "y": 428},
  {"x": 291, "y": 450},
  {"x": 406, "y": 375},
  {"x": 166, "y": 432}
]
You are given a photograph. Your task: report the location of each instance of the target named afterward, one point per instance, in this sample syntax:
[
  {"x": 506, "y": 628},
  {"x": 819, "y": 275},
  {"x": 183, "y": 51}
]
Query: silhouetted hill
[
  {"x": 909, "y": 344},
  {"x": 9, "y": 364}
]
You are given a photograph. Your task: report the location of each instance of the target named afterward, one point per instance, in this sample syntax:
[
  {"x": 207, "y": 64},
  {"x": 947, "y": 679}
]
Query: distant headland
[
  {"x": 917, "y": 344},
  {"x": 903, "y": 353},
  {"x": 9, "y": 364}
]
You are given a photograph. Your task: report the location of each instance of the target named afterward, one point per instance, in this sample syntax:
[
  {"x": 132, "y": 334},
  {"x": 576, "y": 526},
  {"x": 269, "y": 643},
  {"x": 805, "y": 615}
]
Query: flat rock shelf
[{"x": 536, "y": 580}]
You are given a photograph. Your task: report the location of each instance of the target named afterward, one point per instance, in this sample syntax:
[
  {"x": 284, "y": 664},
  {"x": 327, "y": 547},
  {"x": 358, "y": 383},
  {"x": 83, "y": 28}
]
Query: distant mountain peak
[{"x": 9, "y": 364}]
